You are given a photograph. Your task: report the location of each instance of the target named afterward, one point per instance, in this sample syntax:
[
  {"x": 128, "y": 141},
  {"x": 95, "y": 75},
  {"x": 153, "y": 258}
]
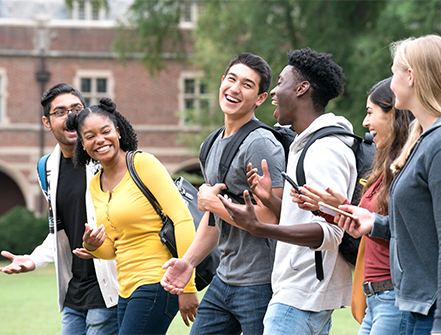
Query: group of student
[{"x": 103, "y": 228}]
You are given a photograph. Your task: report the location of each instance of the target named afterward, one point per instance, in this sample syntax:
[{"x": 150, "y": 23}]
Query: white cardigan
[{"x": 56, "y": 248}]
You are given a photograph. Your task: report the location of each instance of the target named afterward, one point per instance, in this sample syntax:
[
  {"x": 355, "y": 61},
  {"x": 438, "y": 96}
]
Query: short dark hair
[
  {"x": 324, "y": 75},
  {"x": 107, "y": 108},
  {"x": 257, "y": 64},
  {"x": 54, "y": 92}
]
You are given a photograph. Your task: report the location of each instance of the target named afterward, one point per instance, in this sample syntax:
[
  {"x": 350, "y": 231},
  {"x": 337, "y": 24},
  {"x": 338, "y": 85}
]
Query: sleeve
[
  {"x": 434, "y": 182},
  {"x": 330, "y": 163},
  {"x": 272, "y": 151},
  {"x": 105, "y": 251},
  {"x": 381, "y": 228},
  {"x": 44, "y": 253},
  {"x": 159, "y": 182}
]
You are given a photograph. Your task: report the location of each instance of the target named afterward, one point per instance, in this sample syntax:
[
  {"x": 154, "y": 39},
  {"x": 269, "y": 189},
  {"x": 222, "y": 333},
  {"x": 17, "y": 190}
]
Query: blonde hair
[{"x": 423, "y": 56}]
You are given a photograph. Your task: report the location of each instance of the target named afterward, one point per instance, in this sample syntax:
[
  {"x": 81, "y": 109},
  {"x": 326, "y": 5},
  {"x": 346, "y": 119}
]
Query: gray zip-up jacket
[{"x": 414, "y": 227}]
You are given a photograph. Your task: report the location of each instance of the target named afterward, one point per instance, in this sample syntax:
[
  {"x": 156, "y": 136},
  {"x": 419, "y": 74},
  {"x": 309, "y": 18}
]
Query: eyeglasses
[{"x": 63, "y": 112}]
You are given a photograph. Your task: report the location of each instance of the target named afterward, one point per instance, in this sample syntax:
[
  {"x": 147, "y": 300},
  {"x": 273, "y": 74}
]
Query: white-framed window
[
  {"x": 94, "y": 85},
  {"x": 191, "y": 9},
  {"x": 88, "y": 10},
  {"x": 3, "y": 96},
  {"x": 194, "y": 95}
]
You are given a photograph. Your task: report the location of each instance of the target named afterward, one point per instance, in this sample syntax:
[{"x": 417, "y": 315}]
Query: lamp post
[{"x": 42, "y": 44}]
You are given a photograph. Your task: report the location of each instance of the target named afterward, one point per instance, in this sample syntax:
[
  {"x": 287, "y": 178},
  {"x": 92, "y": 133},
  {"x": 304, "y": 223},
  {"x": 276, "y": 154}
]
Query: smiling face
[
  {"x": 239, "y": 91},
  {"x": 64, "y": 137},
  {"x": 284, "y": 96},
  {"x": 100, "y": 137},
  {"x": 379, "y": 123}
]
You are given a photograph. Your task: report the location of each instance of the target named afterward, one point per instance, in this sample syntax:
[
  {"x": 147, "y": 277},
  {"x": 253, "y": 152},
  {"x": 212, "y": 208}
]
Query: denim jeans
[
  {"x": 281, "y": 319},
  {"x": 419, "y": 324},
  {"x": 227, "y": 309},
  {"x": 382, "y": 316},
  {"x": 97, "y": 321},
  {"x": 149, "y": 310}
]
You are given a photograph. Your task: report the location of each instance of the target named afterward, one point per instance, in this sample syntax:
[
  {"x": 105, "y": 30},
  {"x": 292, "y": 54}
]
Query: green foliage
[
  {"x": 21, "y": 231},
  {"x": 356, "y": 33}
]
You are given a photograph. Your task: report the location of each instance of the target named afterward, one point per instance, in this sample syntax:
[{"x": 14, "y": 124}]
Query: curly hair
[
  {"x": 381, "y": 95},
  {"x": 107, "y": 108},
  {"x": 324, "y": 75}
]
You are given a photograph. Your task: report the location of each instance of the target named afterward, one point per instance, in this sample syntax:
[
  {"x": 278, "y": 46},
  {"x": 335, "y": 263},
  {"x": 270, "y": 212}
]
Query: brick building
[{"x": 43, "y": 43}]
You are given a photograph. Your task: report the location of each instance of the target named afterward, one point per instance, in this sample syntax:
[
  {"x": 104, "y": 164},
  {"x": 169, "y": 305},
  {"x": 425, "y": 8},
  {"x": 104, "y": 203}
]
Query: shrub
[{"x": 21, "y": 231}]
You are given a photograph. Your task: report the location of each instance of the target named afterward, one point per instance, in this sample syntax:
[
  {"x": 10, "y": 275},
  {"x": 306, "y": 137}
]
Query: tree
[{"x": 356, "y": 33}]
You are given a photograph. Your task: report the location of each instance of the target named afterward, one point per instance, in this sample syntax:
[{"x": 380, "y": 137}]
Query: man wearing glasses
[{"x": 87, "y": 287}]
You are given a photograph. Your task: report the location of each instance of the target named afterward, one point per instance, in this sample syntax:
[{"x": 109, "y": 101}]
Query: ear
[
  {"x": 46, "y": 123},
  {"x": 410, "y": 76},
  {"x": 117, "y": 131},
  {"x": 302, "y": 88},
  {"x": 261, "y": 99}
]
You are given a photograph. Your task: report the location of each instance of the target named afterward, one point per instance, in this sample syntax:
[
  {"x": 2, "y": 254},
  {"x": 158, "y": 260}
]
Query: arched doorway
[{"x": 10, "y": 194}]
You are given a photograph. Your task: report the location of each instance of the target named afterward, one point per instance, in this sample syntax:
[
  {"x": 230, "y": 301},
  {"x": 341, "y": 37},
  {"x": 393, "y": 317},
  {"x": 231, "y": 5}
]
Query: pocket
[
  {"x": 171, "y": 305},
  {"x": 396, "y": 269}
]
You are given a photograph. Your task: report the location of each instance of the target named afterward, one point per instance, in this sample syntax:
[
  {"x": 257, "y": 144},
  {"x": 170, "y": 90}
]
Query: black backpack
[
  {"x": 364, "y": 150},
  {"x": 283, "y": 134}
]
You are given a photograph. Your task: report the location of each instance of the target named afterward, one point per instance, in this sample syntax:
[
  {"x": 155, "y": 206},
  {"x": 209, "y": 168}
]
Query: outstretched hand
[
  {"x": 244, "y": 216},
  {"x": 82, "y": 253},
  {"x": 310, "y": 197},
  {"x": 261, "y": 186},
  {"x": 19, "y": 263},
  {"x": 178, "y": 274}
]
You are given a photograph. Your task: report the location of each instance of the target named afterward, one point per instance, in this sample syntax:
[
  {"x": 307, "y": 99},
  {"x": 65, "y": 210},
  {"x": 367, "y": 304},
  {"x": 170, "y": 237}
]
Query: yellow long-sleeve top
[{"x": 132, "y": 225}]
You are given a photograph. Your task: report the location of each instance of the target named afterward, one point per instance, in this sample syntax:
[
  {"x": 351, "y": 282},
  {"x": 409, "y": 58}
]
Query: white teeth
[
  {"x": 103, "y": 148},
  {"x": 275, "y": 103},
  {"x": 230, "y": 98},
  {"x": 373, "y": 132}
]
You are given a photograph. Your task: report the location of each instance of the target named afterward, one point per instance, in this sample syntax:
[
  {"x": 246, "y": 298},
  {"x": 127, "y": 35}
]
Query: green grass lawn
[{"x": 28, "y": 306}]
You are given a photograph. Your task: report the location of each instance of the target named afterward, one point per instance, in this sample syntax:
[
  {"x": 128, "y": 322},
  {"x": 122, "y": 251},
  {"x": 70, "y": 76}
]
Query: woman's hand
[
  {"x": 188, "y": 303},
  {"x": 93, "y": 238}
]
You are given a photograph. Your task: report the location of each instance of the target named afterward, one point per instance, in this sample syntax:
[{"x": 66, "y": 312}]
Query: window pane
[
  {"x": 203, "y": 88},
  {"x": 189, "y": 85},
  {"x": 86, "y": 85},
  {"x": 95, "y": 10},
  {"x": 87, "y": 101},
  {"x": 189, "y": 104},
  {"x": 81, "y": 10},
  {"x": 101, "y": 85},
  {"x": 186, "y": 15}
]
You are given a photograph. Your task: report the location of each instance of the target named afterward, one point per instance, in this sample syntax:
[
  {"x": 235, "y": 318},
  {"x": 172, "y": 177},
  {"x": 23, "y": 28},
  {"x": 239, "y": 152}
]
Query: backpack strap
[
  {"x": 301, "y": 179},
  {"x": 41, "y": 170}
]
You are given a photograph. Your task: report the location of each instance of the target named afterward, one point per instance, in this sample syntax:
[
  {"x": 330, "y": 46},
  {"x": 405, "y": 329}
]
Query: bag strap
[
  {"x": 301, "y": 179},
  {"x": 150, "y": 197},
  {"x": 41, "y": 168}
]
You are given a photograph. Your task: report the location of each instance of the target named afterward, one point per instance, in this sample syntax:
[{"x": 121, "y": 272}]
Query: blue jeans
[
  {"x": 281, "y": 319},
  {"x": 97, "y": 321},
  {"x": 149, "y": 310},
  {"x": 382, "y": 316},
  {"x": 419, "y": 324},
  {"x": 227, "y": 309}
]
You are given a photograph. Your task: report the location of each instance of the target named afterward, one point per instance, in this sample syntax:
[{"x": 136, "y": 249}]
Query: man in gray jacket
[{"x": 87, "y": 287}]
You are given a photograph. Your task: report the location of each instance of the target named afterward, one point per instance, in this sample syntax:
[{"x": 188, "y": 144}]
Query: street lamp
[{"x": 42, "y": 45}]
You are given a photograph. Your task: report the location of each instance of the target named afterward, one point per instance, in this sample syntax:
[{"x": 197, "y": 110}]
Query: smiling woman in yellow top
[{"x": 128, "y": 224}]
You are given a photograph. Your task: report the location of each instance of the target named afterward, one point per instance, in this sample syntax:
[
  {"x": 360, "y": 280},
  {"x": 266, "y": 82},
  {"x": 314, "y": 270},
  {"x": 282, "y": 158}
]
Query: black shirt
[{"x": 83, "y": 291}]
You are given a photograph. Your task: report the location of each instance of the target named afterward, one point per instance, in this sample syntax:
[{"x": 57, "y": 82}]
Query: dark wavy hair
[
  {"x": 324, "y": 75},
  {"x": 106, "y": 108},
  {"x": 256, "y": 63},
  {"x": 381, "y": 94},
  {"x": 54, "y": 92}
]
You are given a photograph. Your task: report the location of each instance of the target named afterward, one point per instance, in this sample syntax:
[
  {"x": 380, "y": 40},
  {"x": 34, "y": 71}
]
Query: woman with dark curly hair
[{"x": 128, "y": 225}]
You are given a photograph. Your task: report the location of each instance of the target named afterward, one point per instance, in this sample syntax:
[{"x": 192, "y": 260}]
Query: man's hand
[
  {"x": 94, "y": 237},
  {"x": 261, "y": 186},
  {"x": 178, "y": 274},
  {"x": 188, "y": 302},
  {"x": 19, "y": 263},
  {"x": 310, "y": 197},
  {"x": 244, "y": 216},
  {"x": 83, "y": 253},
  {"x": 208, "y": 194}
]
